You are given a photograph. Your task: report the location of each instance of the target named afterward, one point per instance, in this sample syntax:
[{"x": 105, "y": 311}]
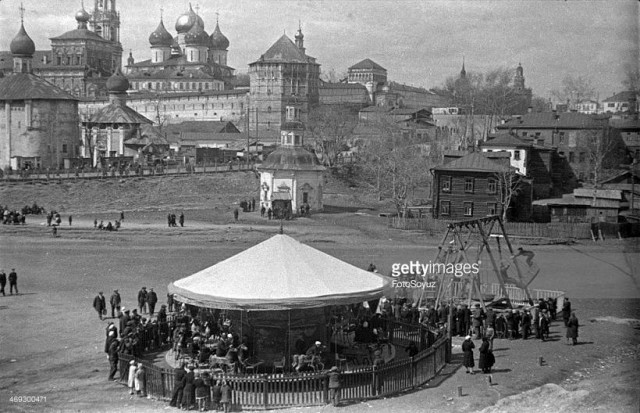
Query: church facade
[
  {"x": 38, "y": 120},
  {"x": 81, "y": 60}
]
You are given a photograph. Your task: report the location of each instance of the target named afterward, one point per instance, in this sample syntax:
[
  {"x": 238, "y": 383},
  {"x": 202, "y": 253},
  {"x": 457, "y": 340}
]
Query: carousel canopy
[{"x": 278, "y": 274}]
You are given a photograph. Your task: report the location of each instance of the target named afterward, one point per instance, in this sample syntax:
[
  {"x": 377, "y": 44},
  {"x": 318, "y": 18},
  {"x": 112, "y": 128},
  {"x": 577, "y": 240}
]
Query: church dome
[
  {"x": 160, "y": 36},
  {"x": 22, "y": 45},
  {"x": 196, "y": 36},
  {"x": 292, "y": 158},
  {"x": 82, "y": 16},
  {"x": 117, "y": 82},
  {"x": 218, "y": 40},
  {"x": 186, "y": 21}
]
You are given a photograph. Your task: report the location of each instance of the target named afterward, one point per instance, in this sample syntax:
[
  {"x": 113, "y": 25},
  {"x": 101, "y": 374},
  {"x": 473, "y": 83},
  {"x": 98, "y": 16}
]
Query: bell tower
[{"x": 105, "y": 22}]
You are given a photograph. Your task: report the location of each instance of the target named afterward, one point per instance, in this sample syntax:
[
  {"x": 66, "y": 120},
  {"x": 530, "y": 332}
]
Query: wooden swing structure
[{"x": 456, "y": 248}]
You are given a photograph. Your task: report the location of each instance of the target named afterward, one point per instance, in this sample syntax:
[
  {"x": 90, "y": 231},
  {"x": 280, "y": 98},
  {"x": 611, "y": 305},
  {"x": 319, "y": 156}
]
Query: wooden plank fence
[
  {"x": 271, "y": 391},
  {"x": 518, "y": 229}
]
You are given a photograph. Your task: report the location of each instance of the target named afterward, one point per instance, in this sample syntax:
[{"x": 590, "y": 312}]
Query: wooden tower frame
[{"x": 454, "y": 248}]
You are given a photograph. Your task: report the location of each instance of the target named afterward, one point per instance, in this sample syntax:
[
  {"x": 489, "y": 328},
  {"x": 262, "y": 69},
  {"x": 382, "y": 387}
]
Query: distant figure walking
[
  {"x": 115, "y": 301},
  {"x": 13, "y": 281},
  {"x": 181, "y": 219},
  {"x": 100, "y": 305},
  {"x": 70, "y": 220},
  {"x": 235, "y": 214},
  {"x": 3, "y": 281},
  {"x": 121, "y": 215},
  {"x": 572, "y": 329}
]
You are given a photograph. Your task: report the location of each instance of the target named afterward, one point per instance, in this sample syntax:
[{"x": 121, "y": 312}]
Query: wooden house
[{"x": 469, "y": 187}]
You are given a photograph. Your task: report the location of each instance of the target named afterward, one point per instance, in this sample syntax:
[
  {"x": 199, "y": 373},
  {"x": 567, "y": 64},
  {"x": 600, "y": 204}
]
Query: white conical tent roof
[{"x": 278, "y": 274}]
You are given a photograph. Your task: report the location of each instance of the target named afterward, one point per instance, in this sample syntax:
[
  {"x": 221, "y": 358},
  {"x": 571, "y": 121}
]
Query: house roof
[
  {"x": 279, "y": 274},
  {"x": 327, "y": 85},
  {"x": 621, "y": 97},
  {"x": 367, "y": 64},
  {"x": 205, "y": 126},
  {"x": 506, "y": 140},
  {"x": 149, "y": 136},
  {"x": 212, "y": 136},
  {"x": 550, "y": 120},
  {"x": 374, "y": 109},
  {"x": 473, "y": 162},
  {"x": 625, "y": 174},
  {"x": 27, "y": 86},
  {"x": 597, "y": 193},
  {"x": 116, "y": 113},
  {"x": 625, "y": 124},
  {"x": 80, "y": 34}
]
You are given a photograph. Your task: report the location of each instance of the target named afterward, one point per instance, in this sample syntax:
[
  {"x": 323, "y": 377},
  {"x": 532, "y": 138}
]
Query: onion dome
[
  {"x": 218, "y": 40},
  {"x": 22, "y": 45},
  {"x": 186, "y": 21},
  {"x": 117, "y": 82},
  {"x": 160, "y": 36},
  {"x": 82, "y": 16},
  {"x": 196, "y": 36}
]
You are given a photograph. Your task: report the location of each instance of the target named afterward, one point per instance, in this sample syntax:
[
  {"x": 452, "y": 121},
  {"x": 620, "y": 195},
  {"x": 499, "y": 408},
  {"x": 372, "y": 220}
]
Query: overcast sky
[{"x": 419, "y": 42}]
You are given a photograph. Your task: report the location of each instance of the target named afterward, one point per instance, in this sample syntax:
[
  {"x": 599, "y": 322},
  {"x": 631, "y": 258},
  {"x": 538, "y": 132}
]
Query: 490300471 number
[{"x": 28, "y": 399}]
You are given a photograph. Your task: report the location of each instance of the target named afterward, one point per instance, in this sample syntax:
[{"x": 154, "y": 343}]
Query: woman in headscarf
[
  {"x": 467, "y": 350},
  {"x": 486, "y": 360},
  {"x": 572, "y": 329}
]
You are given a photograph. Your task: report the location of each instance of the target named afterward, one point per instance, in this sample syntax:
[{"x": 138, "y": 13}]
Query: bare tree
[
  {"x": 631, "y": 80},
  {"x": 604, "y": 150},
  {"x": 574, "y": 89},
  {"x": 329, "y": 127},
  {"x": 510, "y": 185}
]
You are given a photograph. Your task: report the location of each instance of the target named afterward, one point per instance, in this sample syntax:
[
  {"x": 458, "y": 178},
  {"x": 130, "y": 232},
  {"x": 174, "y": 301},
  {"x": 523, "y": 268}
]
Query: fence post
[
  {"x": 414, "y": 373},
  {"x": 164, "y": 395},
  {"x": 265, "y": 394}
]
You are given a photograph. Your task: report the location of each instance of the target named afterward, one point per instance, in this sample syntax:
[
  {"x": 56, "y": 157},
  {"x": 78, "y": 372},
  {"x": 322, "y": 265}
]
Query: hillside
[{"x": 212, "y": 191}]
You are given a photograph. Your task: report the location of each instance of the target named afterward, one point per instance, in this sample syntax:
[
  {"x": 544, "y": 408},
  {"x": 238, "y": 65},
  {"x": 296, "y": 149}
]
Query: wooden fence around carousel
[{"x": 271, "y": 391}]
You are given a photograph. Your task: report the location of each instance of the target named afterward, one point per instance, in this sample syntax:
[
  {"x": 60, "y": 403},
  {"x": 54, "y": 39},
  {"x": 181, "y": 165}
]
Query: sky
[{"x": 420, "y": 43}]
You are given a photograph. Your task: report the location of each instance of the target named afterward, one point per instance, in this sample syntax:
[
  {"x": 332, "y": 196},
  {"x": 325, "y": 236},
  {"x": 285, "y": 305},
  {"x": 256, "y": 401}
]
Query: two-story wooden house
[{"x": 469, "y": 187}]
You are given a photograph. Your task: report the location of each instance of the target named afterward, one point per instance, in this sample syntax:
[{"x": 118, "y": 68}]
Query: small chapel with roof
[{"x": 291, "y": 178}]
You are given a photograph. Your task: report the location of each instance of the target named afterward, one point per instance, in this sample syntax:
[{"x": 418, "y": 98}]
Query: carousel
[{"x": 281, "y": 305}]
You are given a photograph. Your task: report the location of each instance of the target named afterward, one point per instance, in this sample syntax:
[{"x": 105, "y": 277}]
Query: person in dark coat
[
  {"x": 572, "y": 329},
  {"x": 181, "y": 219},
  {"x": 566, "y": 311},
  {"x": 100, "y": 305},
  {"x": 467, "y": 350},
  {"x": 13, "y": 281},
  {"x": 226, "y": 396},
  {"x": 486, "y": 360},
  {"x": 3, "y": 281},
  {"x": 142, "y": 299},
  {"x": 477, "y": 317},
  {"x": 189, "y": 390},
  {"x": 235, "y": 214},
  {"x": 334, "y": 386},
  {"x": 115, "y": 301},
  {"x": 544, "y": 325},
  {"x": 124, "y": 319},
  {"x": 152, "y": 299},
  {"x": 176, "y": 397},
  {"x": 202, "y": 392},
  {"x": 113, "y": 358},
  {"x": 216, "y": 395}
]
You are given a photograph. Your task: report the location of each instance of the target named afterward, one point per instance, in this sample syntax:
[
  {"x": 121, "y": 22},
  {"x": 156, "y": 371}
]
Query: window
[
  {"x": 64, "y": 148},
  {"x": 446, "y": 184},
  {"x": 561, "y": 138},
  {"x": 572, "y": 157},
  {"x": 305, "y": 197},
  {"x": 468, "y": 185},
  {"x": 583, "y": 157},
  {"x": 445, "y": 207},
  {"x": 492, "y": 186},
  {"x": 492, "y": 208},
  {"x": 516, "y": 155},
  {"x": 468, "y": 209},
  {"x": 524, "y": 134},
  {"x": 611, "y": 105}
]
